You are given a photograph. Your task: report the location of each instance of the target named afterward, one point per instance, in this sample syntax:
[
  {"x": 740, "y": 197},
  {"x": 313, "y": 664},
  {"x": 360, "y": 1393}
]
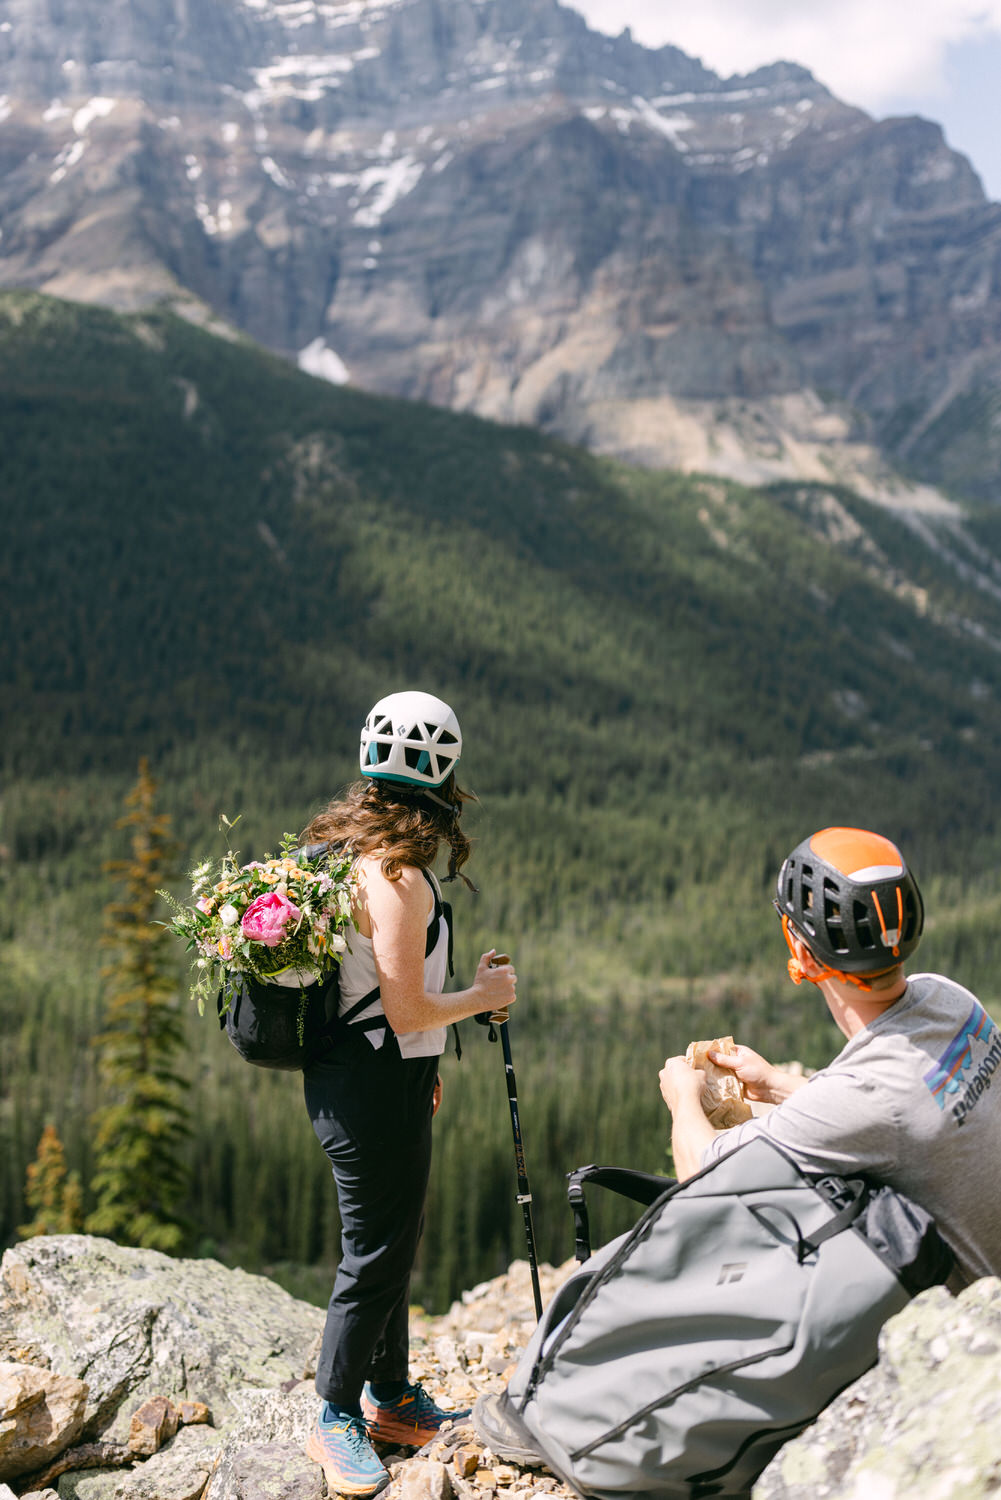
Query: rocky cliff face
[
  {"x": 125, "y": 1375},
  {"x": 483, "y": 204}
]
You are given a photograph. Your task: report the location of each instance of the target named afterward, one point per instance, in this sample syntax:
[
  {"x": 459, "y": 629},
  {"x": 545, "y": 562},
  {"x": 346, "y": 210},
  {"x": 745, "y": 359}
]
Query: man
[{"x": 910, "y": 1098}]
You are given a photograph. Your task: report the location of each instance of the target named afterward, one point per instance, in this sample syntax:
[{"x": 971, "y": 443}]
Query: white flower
[
  {"x": 228, "y": 915},
  {"x": 336, "y": 942}
]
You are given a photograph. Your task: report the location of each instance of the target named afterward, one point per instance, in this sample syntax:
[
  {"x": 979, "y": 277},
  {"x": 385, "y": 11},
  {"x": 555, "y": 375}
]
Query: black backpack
[{"x": 275, "y": 1026}]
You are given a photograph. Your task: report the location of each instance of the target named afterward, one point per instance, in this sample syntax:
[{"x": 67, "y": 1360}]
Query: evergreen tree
[
  {"x": 139, "y": 1181},
  {"x": 52, "y": 1191}
]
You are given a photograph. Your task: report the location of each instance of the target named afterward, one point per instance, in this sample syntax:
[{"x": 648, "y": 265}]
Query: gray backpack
[{"x": 678, "y": 1359}]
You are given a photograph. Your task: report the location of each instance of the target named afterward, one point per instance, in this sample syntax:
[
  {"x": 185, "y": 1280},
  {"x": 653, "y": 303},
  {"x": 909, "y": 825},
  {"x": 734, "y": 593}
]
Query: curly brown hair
[{"x": 399, "y": 822}]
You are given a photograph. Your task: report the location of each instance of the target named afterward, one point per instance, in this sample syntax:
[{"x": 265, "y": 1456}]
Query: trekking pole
[{"x": 524, "y": 1191}]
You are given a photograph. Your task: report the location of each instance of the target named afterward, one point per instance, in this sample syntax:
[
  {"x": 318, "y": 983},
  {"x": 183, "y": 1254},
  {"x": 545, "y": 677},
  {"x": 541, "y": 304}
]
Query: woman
[{"x": 371, "y": 1100}]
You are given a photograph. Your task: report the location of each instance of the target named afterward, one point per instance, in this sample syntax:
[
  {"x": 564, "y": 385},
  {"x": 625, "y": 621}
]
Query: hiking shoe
[
  {"x": 347, "y": 1458},
  {"x": 496, "y": 1425},
  {"x": 412, "y": 1418}
]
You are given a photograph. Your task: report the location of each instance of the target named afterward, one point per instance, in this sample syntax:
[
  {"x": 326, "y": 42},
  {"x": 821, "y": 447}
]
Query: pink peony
[{"x": 266, "y": 919}]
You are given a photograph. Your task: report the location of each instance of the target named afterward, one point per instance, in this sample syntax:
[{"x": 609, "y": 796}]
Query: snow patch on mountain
[
  {"x": 94, "y": 109},
  {"x": 671, "y": 126},
  {"x": 220, "y": 222},
  {"x": 67, "y": 160},
  {"x": 278, "y": 177},
  {"x": 304, "y": 76},
  {"x": 320, "y": 360},
  {"x": 331, "y": 13},
  {"x": 390, "y": 182}
]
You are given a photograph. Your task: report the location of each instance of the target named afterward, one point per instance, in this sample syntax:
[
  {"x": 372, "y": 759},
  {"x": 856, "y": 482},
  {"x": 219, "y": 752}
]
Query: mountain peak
[{"x": 488, "y": 205}]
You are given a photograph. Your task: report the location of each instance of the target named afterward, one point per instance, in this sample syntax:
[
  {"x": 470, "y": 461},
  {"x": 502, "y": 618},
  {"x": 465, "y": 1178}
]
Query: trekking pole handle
[{"x": 500, "y": 1016}]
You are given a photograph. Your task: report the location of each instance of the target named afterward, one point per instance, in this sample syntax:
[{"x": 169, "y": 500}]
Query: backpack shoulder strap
[
  {"x": 642, "y": 1187},
  {"x": 442, "y": 909}
]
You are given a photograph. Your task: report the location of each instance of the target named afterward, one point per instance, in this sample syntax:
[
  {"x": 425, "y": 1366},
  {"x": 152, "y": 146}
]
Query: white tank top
[{"x": 359, "y": 977}]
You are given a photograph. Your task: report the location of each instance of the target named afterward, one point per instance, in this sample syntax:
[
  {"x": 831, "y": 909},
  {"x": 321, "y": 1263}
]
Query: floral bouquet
[{"x": 280, "y": 920}]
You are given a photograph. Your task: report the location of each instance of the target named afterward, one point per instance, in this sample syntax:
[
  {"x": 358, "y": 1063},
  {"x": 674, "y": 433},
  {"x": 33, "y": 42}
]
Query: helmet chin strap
[
  {"x": 797, "y": 973},
  {"x": 451, "y": 807},
  {"x": 414, "y": 789}
]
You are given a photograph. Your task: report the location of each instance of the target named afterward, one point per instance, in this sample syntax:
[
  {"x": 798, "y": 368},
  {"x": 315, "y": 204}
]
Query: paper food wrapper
[{"x": 723, "y": 1096}]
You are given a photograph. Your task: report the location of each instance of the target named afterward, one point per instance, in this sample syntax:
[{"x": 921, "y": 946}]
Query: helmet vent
[
  {"x": 863, "y": 925},
  {"x": 447, "y": 738},
  {"x": 832, "y": 917}
]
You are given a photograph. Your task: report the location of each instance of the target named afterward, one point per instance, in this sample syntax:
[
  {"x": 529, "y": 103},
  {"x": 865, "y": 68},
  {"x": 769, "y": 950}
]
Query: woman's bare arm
[{"x": 395, "y": 912}]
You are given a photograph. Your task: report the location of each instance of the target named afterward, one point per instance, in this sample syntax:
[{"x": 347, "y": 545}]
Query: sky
[{"x": 937, "y": 58}]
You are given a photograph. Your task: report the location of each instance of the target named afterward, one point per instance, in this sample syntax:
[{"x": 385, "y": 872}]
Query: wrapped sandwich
[{"x": 723, "y": 1095}]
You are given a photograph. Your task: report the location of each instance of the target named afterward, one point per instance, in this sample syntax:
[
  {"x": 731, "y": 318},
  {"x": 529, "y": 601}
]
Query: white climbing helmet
[{"x": 412, "y": 738}]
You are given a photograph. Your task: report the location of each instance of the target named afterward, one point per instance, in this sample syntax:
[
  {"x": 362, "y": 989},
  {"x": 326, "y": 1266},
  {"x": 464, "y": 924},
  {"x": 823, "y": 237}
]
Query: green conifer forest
[{"x": 664, "y": 682}]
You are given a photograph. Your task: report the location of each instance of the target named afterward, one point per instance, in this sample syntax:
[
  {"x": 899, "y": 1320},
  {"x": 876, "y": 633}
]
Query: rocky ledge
[{"x": 126, "y": 1375}]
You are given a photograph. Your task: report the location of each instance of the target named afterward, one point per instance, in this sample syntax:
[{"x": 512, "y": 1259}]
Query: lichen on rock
[
  {"x": 924, "y": 1421},
  {"x": 135, "y": 1324}
]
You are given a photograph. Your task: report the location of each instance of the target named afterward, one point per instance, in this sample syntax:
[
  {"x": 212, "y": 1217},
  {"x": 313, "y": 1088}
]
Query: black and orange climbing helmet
[{"x": 850, "y": 896}]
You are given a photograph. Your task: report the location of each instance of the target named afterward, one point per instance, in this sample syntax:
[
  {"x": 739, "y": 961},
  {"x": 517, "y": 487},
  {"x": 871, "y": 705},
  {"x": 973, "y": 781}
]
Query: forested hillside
[{"x": 663, "y": 682}]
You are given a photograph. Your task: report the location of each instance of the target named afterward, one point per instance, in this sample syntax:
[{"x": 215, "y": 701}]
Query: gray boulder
[
  {"x": 136, "y": 1323},
  {"x": 267, "y": 1471},
  {"x": 924, "y": 1421},
  {"x": 263, "y": 1451}
]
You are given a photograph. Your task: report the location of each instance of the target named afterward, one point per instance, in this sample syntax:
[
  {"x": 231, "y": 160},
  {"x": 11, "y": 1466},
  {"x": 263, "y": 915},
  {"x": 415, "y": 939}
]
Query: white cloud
[{"x": 868, "y": 52}]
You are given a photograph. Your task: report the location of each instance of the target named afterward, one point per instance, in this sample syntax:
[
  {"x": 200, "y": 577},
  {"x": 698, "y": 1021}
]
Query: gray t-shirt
[{"x": 910, "y": 1100}]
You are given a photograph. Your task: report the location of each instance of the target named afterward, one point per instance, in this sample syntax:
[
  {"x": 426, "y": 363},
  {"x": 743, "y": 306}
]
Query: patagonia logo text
[{"x": 949, "y": 1075}]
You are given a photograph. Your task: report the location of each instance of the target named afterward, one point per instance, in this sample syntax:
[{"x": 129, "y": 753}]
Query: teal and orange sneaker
[
  {"x": 346, "y": 1456},
  {"x": 412, "y": 1418}
]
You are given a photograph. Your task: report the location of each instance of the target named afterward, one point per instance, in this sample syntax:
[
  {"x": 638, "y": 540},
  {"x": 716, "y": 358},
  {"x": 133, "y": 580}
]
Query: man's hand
[
  {"x": 762, "y": 1081},
  {"x": 681, "y": 1090},
  {"x": 678, "y": 1081}
]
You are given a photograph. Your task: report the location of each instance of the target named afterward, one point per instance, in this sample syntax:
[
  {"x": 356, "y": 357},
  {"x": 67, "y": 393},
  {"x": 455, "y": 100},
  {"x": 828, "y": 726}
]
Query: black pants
[{"x": 371, "y": 1111}]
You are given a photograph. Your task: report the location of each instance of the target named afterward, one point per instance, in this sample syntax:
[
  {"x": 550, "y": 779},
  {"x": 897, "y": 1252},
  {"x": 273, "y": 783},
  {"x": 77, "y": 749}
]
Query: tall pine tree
[
  {"x": 139, "y": 1181},
  {"x": 52, "y": 1191}
]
